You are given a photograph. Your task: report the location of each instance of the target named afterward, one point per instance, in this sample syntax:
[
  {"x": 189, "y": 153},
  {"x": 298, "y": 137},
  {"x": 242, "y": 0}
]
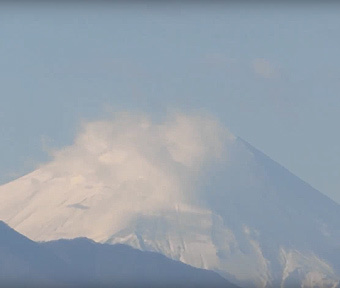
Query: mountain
[
  {"x": 83, "y": 263},
  {"x": 124, "y": 266},
  {"x": 24, "y": 262},
  {"x": 188, "y": 189}
]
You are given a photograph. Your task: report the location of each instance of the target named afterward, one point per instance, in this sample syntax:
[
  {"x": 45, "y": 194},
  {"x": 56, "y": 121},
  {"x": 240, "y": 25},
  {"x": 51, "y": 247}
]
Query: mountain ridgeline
[{"x": 83, "y": 263}]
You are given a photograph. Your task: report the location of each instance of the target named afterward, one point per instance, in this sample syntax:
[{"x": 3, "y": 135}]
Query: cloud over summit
[
  {"x": 181, "y": 140},
  {"x": 141, "y": 157},
  {"x": 125, "y": 166}
]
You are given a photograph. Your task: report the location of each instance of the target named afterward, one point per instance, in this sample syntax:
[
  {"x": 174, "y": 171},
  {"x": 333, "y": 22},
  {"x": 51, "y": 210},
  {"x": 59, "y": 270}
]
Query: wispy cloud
[
  {"x": 265, "y": 69},
  {"x": 127, "y": 164}
]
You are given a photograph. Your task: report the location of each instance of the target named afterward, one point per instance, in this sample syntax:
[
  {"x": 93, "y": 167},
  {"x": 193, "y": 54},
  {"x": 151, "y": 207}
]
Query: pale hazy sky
[{"x": 270, "y": 74}]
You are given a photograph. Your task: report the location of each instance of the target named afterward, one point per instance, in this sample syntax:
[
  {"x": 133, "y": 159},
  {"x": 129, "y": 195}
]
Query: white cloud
[
  {"x": 181, "y": 140},
  {"x": 124, "y": 166}
]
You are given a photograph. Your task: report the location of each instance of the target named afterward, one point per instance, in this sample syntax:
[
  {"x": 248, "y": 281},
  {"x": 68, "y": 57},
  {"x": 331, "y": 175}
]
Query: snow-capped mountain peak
[{"x": 186, "y": 188}]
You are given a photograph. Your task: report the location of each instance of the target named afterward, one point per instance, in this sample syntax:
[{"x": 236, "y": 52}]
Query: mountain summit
[{"x": 186, "y": 188}]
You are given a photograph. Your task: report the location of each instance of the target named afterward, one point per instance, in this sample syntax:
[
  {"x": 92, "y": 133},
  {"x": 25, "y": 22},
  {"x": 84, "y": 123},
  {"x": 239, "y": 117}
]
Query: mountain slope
[
  {"x": 24, "y": 262},
  {"x": 188, "y": 189},
  {"x": 84, "y": 263},
  {"x": 122, "y": 265}
]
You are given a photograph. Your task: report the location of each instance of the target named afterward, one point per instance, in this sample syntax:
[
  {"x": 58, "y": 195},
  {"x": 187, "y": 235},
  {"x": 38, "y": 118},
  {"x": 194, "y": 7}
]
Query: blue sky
[{"x": 270, "y": 74}]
